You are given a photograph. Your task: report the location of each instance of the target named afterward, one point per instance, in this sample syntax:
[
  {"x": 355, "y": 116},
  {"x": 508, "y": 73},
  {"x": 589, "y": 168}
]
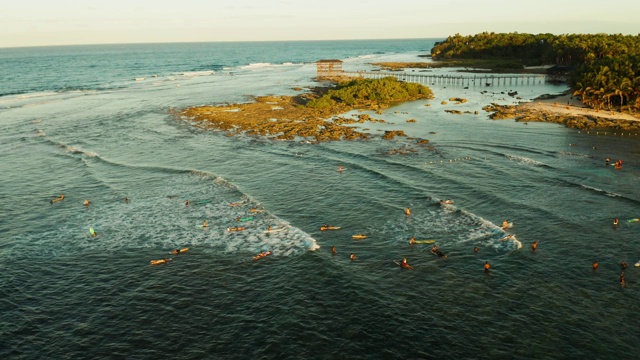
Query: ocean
[{"x": 98, "y": 122}]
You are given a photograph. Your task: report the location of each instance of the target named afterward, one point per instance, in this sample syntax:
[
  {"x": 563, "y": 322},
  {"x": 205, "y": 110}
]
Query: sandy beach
[{"x": 568, "y": 105}]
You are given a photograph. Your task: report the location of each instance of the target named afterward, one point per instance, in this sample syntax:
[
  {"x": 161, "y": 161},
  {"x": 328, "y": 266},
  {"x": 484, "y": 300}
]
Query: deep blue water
[{"x": 74, "y": 120}]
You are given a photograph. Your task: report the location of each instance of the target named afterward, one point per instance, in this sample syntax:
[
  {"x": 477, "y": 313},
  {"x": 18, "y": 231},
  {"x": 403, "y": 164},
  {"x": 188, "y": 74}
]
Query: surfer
[
  {"x": 412, "y": 240},
  {"x": 444, "y": 202},
  {"x": 262, "y": 254},
  {"x": 93, "y": 232},
  {"x": 160, "y": 262},
  {"x": 407, "y": 211},
  {"x": 405, "y": 265},
  {"x": 594, "y": 266},
  {"x": 327, "y": 227},
  {"x": 334, "y": 251},
  {"x": 487, "y": 266},
  {"x": 340, "y": 168},
  {"x": 254, "y": 210},
  {"x": 235, "y": 228},
  {"x": 506, "y": 225},
  {"x": 204, "y": 223},
  {"x": 179, "y": 251},
  {"x": 623, "y": 265},
  {"x": 352, "y": 256},
  {"x": 606, "y": 162},
  {"x": 615, "y": 222},
  {"x": 186, "y": 202},
  {"x": 622, "y": 282},
  {"x": 534, "y": 246},
  {"x": 508, "y": 237},
  {"x": 86, "y": 202},
  {"x": 435, "y": 251},
  {"x": 475, "y": 249},
  {"x": 57, "y": 199}
]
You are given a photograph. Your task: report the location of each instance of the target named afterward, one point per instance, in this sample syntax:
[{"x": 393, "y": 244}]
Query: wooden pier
[{"x": 453, "y": 80}]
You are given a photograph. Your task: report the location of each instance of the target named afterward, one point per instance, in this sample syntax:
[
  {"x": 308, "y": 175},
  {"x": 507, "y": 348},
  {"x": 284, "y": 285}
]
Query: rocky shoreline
[
  {"x": 564, "y": 109},
  {"x": 286, "y": 118}
]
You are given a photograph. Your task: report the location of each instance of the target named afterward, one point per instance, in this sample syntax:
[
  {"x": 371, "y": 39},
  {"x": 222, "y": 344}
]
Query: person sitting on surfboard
[
  {"x": 407, "y": 211},
  {"x": 179, "y": 251},
  {"x": 334, "y": 250},
  {"x": 487, "y": 266},
  {"x": 57, "y": 199},
  {"x": 405, "y": 265},
  {"x": 352, "y": 256},
  {"x": 412, "y": 240},
  {"x": 340, "y": 168},
  {"x": 615, "y": 222},
  {"x": 86, "y": 202},
  {"x": 204, "y": 223}
]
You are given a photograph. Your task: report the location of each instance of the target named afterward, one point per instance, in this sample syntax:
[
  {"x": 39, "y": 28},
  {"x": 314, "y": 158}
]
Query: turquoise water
[{"x": 74, "y": 120}]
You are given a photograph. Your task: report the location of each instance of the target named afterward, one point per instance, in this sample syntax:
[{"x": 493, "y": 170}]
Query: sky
[{"x": 71, "y": 22}]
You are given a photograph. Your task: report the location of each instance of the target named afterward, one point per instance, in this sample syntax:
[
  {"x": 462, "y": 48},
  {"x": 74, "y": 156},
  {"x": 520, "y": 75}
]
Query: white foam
[
  {"x": 198, "y": 73},
  {"x": 524, "y": 160}
]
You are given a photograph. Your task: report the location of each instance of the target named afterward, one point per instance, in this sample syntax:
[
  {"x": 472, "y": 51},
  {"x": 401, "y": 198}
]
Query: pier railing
[{"x": 454, "y": 80}]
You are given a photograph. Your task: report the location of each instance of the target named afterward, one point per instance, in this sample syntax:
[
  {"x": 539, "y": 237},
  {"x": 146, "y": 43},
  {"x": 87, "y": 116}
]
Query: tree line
[{"x": 605, "y": 69}]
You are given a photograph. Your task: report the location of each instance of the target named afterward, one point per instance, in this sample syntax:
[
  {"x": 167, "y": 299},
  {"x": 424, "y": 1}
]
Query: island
[{"x": 313, "y": 114}]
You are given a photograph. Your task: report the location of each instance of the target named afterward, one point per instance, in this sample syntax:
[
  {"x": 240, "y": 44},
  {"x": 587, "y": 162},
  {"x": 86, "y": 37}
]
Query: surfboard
[
  {"x": 633, "y": 220},
  {"x": 92, "y": 232},
  {"x": 245, "y": 218},
  {"x": 275, "y": 230},
  {"x": 509, "y": 226},
  {"x": 425, "y": 241},
  {"x": 330, "y": 228},
  {"x": 637, "y": 264},
  {"x": 359, "y": 236}
]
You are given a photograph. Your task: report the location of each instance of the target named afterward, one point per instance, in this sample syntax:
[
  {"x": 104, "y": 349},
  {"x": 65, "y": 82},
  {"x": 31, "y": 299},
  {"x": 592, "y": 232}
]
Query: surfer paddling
[
  {"x": 57, "y": 199},
  {"x": 160, "y": 262},
  {"x": 235, "y": 229},
  {"x": 262, "y": 254},
  {"x": 329, "y": 227},
  {"x": 179, "y": 251}
]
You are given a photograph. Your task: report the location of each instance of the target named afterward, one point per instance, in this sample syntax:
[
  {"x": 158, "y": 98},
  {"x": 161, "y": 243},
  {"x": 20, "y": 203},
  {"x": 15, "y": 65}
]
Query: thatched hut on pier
[{"x": 329, "y": 67}]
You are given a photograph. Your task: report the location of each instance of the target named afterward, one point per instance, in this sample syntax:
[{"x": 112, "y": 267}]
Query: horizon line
[{"x": 217, "y": 41}]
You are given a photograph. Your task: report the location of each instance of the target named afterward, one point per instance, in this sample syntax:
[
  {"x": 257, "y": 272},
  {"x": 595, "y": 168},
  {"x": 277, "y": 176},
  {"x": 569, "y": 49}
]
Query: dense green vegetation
[
  {"x": 364, "y": 92},
  {"x": 605, "y": 68}
]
